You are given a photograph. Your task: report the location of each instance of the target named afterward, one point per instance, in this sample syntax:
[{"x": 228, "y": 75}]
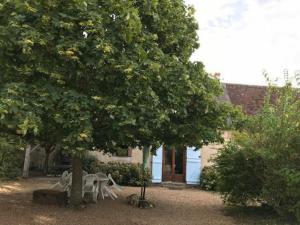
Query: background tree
[
  {"x": 11, "y": 156},
  {"x": 106, "y": 73},
  {"x": 262, "y": 164}
]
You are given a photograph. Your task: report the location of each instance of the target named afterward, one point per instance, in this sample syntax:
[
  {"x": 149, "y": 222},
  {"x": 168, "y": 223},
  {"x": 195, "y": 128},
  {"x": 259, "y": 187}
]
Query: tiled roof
[{"x": 249, "y": 97}]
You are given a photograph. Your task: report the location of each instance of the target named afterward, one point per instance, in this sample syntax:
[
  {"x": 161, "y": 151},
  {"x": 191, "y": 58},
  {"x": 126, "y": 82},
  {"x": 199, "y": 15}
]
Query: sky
[{"x": 242, "y": 38}]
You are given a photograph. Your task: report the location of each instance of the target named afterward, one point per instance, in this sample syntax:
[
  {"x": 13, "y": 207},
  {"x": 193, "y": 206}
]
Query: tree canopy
[{"x": 105, "y": 73}]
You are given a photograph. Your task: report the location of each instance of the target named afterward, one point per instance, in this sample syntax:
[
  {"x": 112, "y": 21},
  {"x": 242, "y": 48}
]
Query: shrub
[
  {"x": 90, "y": 163},
  {"x": 11, "y": 158},
  {"x": 239, "y": 174},
  {"x": 123, "y": 173},
  {"x": 281, "y": 191},
  {"x": 208, "y": 178},
  {"x": 264, "y": 163}
]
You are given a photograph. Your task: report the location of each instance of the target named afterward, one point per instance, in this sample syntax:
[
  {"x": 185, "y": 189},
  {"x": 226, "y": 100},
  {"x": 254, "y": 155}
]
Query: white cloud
[{"x": 240, "y": 38}]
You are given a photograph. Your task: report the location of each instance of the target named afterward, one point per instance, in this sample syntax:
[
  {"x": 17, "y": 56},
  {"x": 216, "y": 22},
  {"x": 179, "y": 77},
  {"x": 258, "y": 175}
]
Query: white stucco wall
[
  {"x": 136, "y": 157},
  {"x": 209, "y": 151}
]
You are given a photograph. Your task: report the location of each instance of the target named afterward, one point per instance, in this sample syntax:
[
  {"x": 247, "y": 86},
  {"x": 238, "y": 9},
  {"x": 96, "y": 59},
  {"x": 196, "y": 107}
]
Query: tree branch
[{"x": 37, "y": 146}]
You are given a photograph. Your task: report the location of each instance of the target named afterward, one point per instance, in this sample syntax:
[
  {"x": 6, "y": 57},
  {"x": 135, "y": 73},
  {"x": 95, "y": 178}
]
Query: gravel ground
[{"x": 178, "y": 207}]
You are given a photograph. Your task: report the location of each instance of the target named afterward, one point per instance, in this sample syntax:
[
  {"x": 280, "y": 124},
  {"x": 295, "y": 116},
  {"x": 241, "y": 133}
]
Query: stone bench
[{"x": 50, "y": 197}]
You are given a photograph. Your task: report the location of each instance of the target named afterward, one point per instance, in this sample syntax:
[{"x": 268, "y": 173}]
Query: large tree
[{"x": 105, "y": 73}]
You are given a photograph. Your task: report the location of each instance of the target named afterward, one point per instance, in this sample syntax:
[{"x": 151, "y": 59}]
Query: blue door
[
  {"x": 157, "y": 166},
  {"x": 193, "y": 165}
]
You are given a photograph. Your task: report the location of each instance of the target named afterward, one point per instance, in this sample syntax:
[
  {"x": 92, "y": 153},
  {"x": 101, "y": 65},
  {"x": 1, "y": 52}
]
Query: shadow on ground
[
  {"x": 173, "y": 207},
  {"x": 257, "y": 216}
]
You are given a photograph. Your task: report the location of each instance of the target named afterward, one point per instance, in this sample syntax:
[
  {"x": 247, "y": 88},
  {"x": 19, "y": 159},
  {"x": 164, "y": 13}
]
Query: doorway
[{"x": 174, "y": 163}]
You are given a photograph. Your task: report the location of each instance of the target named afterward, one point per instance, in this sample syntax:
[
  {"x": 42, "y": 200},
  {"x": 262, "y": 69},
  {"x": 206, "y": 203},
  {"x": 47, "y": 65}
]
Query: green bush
[
  {"x": 11, "y": 158},
  {"x": 239, "y": 174},
  {"x": 208, "y": 178},
  {"x": 123, "y": 173},
  {"x": 264, "y": 163},
  {"x": 90, "y": 163}
]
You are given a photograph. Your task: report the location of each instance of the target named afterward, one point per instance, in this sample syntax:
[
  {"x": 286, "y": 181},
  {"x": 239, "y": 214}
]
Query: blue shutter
[
  {"x": 157, "y": 166},
  {"x": 193, "y": 165}
]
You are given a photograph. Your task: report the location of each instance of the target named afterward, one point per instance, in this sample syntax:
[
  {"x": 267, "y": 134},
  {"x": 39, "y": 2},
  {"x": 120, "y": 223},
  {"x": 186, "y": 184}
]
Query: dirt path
[{"x": 178, "y": 207}]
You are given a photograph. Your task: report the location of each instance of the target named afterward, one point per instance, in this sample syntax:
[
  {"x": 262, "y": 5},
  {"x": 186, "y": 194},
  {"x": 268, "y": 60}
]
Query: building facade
[{"x": 185, "y": 164}]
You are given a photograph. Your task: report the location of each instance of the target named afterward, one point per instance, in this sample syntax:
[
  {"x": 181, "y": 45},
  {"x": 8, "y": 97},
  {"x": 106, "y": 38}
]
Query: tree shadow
[{"x": 257, "y": 215}]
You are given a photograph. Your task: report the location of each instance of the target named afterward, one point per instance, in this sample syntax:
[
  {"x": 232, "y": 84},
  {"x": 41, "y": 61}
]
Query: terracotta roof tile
[{"x": 249, "y": 97}]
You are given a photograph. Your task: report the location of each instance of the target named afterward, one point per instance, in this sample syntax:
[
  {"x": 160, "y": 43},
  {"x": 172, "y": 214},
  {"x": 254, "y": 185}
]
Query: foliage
[
  {"x": 266, "y": 160},
  {"x": 208, "y": 178},
  {"x": 123, "y": 173},
  {"x": 90, "y": 163},
  {"x": 100, "y": 73},
  {"x": 239, "y": 174},
  {"x": 11, "y": 157},
  {"x": 104, "y": 73}
]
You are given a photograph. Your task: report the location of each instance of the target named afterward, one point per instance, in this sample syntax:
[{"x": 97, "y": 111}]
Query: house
[{"x": 185, "y": 164}]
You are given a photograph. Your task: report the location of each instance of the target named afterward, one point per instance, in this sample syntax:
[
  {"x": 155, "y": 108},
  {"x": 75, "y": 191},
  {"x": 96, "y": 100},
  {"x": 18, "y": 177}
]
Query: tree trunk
[
  {"x": 76, "y": 189},
  {"x": 146, "y": 154},
  {"x": 26, "y": 166},
  {"x": 27, "y": 161},
  {"x": 48, "y": 151},
  {"x": 46, "y": 162}
]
